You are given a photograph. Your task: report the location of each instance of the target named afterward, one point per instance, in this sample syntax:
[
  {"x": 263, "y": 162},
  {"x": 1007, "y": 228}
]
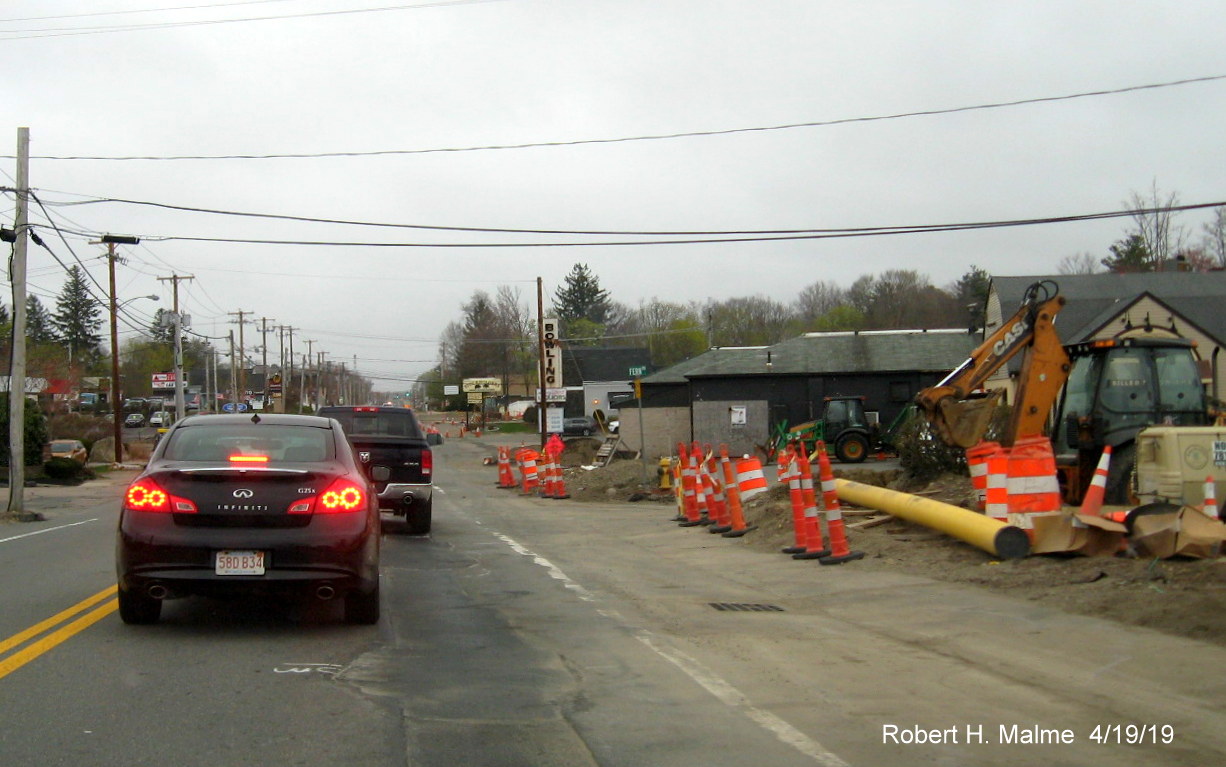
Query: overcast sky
[{"x": 315, "y": 77}]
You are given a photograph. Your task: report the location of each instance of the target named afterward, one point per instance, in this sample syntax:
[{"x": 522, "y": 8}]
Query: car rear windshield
[
  {"x": 277, "y": 442},
  {"x": 63, "y": 447},
  {"x": 382, "y": 423}
]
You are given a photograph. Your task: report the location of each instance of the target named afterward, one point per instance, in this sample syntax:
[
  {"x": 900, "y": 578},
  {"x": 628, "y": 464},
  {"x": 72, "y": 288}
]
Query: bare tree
[
  {"x": 748, "y": 321},
  {"x": 818, "y": 299},
  {"x": 1155, "y": 223},
  {"x": 1078, "y": 263},
  {"x": 1215, "y": 237}
]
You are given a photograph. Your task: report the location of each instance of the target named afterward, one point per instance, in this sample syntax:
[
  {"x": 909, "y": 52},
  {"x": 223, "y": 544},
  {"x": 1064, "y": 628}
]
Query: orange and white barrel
[{"x": 750, "y": 480}]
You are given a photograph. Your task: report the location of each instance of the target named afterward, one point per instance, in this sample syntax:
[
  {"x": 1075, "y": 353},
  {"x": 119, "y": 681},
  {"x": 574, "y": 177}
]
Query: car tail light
[
  {"x": 341, "y": 496},
  {"x": 427, "y": 462},
  {"x": 146, "y": 495}
]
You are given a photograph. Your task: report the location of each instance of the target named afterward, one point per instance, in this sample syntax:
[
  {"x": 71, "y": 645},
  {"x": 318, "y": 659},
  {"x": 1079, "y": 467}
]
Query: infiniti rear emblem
[{"x": 243, "y": 492}]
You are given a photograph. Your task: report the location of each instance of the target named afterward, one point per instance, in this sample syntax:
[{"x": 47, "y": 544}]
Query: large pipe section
[{"x": 991, "y": 535}]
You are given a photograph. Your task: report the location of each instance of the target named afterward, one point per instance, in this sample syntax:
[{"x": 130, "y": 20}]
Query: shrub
[
  {"x": 922, "y": 453},
  {"x": 63, "y": 469}
]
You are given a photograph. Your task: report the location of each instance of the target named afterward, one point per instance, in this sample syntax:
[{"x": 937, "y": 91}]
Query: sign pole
[{"x": 540, "y": 348}]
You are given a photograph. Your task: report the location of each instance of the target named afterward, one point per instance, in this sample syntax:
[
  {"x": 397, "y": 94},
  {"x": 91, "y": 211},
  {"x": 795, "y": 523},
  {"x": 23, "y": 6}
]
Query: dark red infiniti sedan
[{"x": 250, "y": 504}]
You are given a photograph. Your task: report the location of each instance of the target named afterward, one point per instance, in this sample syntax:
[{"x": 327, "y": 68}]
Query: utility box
[{"x": 1173, "y": 463}]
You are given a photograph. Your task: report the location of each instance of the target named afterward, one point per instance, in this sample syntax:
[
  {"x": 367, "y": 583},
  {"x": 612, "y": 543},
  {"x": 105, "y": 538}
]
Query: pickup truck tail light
[{"x": 427, "y": 462}]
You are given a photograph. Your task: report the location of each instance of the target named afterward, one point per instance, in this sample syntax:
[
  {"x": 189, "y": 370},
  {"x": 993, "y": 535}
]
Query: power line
[
  {"x": 659, "y": 136},
  {"x": 715, "y": 237},
  {"x": 142, "y": 10},
  {"x": 28, "y": 34},
  {"x": 832, "y": 231}
]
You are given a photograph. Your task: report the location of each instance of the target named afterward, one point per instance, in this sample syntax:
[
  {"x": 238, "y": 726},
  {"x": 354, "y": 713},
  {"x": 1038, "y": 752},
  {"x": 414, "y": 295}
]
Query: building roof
[
  {"x": 602, "y": 363},
  {"x": 744, "y": 356},
  {"x": 1094, "y": 299},
  {"x": 882, "y": 351}
]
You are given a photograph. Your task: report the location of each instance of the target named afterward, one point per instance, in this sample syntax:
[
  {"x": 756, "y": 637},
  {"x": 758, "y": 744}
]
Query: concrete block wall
[
  {"x": 713, "y": 425},
  {"x": 665, "y": 427}
]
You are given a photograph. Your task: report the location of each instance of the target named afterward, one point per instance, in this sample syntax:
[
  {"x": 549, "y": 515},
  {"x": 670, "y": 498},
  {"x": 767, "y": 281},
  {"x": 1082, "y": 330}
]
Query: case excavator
[{"x": 1112, "y": 388}]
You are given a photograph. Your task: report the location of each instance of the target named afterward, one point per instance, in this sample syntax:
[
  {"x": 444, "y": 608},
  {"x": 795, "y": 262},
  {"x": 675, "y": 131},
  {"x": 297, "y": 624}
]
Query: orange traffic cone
[
  {"x": 689, "y": 488},
  {"x": 1092, "y": 503},
  {"x": 506, "y": 480},
  {"x": 733, "y": 490},
  {"x": 678, "y": 490},
  {"x": 531, "y": 480},
  {"x": 548, "y": 479},
  {"x": 559, "y": 481},
  {"x": 796, "y": 494},
  {"x": 840, "y": 552},
  {"x": 814, "y": 547},
  {"x": 719, "y": 500}
]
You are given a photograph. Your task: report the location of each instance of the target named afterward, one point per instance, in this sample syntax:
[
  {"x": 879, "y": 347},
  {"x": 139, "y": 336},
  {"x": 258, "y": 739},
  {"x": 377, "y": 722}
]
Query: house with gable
[{"x": 1099, "y": 306}]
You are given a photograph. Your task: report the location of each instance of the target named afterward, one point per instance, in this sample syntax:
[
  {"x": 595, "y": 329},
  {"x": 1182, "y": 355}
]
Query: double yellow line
[{"x": 31, "y": 651}]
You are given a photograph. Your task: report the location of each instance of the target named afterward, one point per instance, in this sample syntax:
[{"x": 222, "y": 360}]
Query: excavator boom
[{"x": 960, "y": 415}]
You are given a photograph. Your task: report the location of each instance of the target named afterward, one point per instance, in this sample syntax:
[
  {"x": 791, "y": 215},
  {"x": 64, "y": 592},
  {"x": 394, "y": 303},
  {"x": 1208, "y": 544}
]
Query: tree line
[{"x": 496, "y": 334}]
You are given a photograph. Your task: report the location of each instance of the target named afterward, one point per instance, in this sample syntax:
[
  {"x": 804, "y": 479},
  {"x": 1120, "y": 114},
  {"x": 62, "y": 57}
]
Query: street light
[{"x": 125, "y": 302}]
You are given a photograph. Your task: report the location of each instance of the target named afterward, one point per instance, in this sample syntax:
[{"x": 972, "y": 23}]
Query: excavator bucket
[{"x": 964, "y": 422}]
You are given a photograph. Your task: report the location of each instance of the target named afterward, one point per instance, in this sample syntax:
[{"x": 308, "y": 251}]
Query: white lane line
[
  {"x": 47, "y": 530},
  {"x": 734, "y": 698},
  {"x": 704, "y": 677}
]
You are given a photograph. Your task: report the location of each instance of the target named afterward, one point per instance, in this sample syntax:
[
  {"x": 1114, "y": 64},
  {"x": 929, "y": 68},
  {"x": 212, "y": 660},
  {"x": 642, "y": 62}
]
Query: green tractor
[{"x": 843, "y": 426}]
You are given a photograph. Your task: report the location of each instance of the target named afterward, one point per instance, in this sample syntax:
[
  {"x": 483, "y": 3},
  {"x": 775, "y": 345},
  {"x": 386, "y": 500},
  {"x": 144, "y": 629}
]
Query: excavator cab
[{"x": 1118, "y": 387}]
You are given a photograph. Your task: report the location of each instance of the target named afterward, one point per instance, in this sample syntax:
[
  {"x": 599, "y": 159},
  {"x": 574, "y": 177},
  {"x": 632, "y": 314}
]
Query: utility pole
[
  {"x": 233, "y": 374},
  {"x": 306, "y": 366},
  {"x": 110, "y": 241},
  {"x": 287, "y": 381},
  {"x": 180, "y": 408},
  {"x": 264, "y": 362},
  {"x": 17, "y": 369},
  {"x": 242, "y": 353}
]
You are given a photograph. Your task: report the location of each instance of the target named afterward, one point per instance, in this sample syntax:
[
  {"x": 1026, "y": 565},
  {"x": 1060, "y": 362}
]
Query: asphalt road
[{"x": 538, "y": 632}]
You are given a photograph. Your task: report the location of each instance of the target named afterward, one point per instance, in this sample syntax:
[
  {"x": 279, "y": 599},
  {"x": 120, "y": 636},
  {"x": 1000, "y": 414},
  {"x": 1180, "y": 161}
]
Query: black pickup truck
[{"x": 394, "y": 452}]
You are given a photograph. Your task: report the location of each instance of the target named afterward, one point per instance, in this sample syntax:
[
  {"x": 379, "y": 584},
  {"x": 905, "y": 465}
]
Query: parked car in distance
[
  {"x": 160, "y": 418},
  {"x": 249, "y": 505},
  {"x": 583, "y": 425},
  {"x": 134, "y": 419},
  {"x": 395, "y": 453},
  {"x": 72, "y": 449},
  {"x": 134, "y": 404}
]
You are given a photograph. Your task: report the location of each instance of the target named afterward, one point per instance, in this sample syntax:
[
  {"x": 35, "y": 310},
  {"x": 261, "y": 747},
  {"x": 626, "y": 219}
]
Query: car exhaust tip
[
  {"x": 325, "y": 592},
  {"x": 157, "y": 591}
]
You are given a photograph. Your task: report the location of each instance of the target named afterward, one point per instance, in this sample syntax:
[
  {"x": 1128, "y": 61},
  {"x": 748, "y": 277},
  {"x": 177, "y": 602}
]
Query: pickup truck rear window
[{"x": 383, "y": 423}]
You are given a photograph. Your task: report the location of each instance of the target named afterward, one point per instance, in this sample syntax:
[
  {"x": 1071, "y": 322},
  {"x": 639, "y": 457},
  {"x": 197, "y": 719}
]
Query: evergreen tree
[
  {"x": 581, "y": 297},
  {"x": 1130, "y": 255},
  {"x": 971, "y": 292},
  {"x": 40, "y": 328},
  {"x": 76, "y": 318}
]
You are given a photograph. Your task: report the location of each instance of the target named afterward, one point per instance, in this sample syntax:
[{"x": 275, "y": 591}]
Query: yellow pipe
[{"x": 991, "y": 535}]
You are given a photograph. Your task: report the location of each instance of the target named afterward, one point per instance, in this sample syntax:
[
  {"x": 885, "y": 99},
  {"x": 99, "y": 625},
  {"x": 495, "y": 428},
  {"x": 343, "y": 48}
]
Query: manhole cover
[{"x": 745, "y": 607}]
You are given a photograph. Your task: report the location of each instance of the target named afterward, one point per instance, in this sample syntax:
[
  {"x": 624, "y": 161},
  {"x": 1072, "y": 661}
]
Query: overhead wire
[
  {"x": 664, "y": 136},
  {"x": 714, "y": 238},
  {"x": 36, "y": 33}
]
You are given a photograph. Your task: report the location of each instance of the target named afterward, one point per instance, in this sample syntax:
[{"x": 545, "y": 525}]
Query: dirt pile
[{"x": 1177, "y": 596}]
